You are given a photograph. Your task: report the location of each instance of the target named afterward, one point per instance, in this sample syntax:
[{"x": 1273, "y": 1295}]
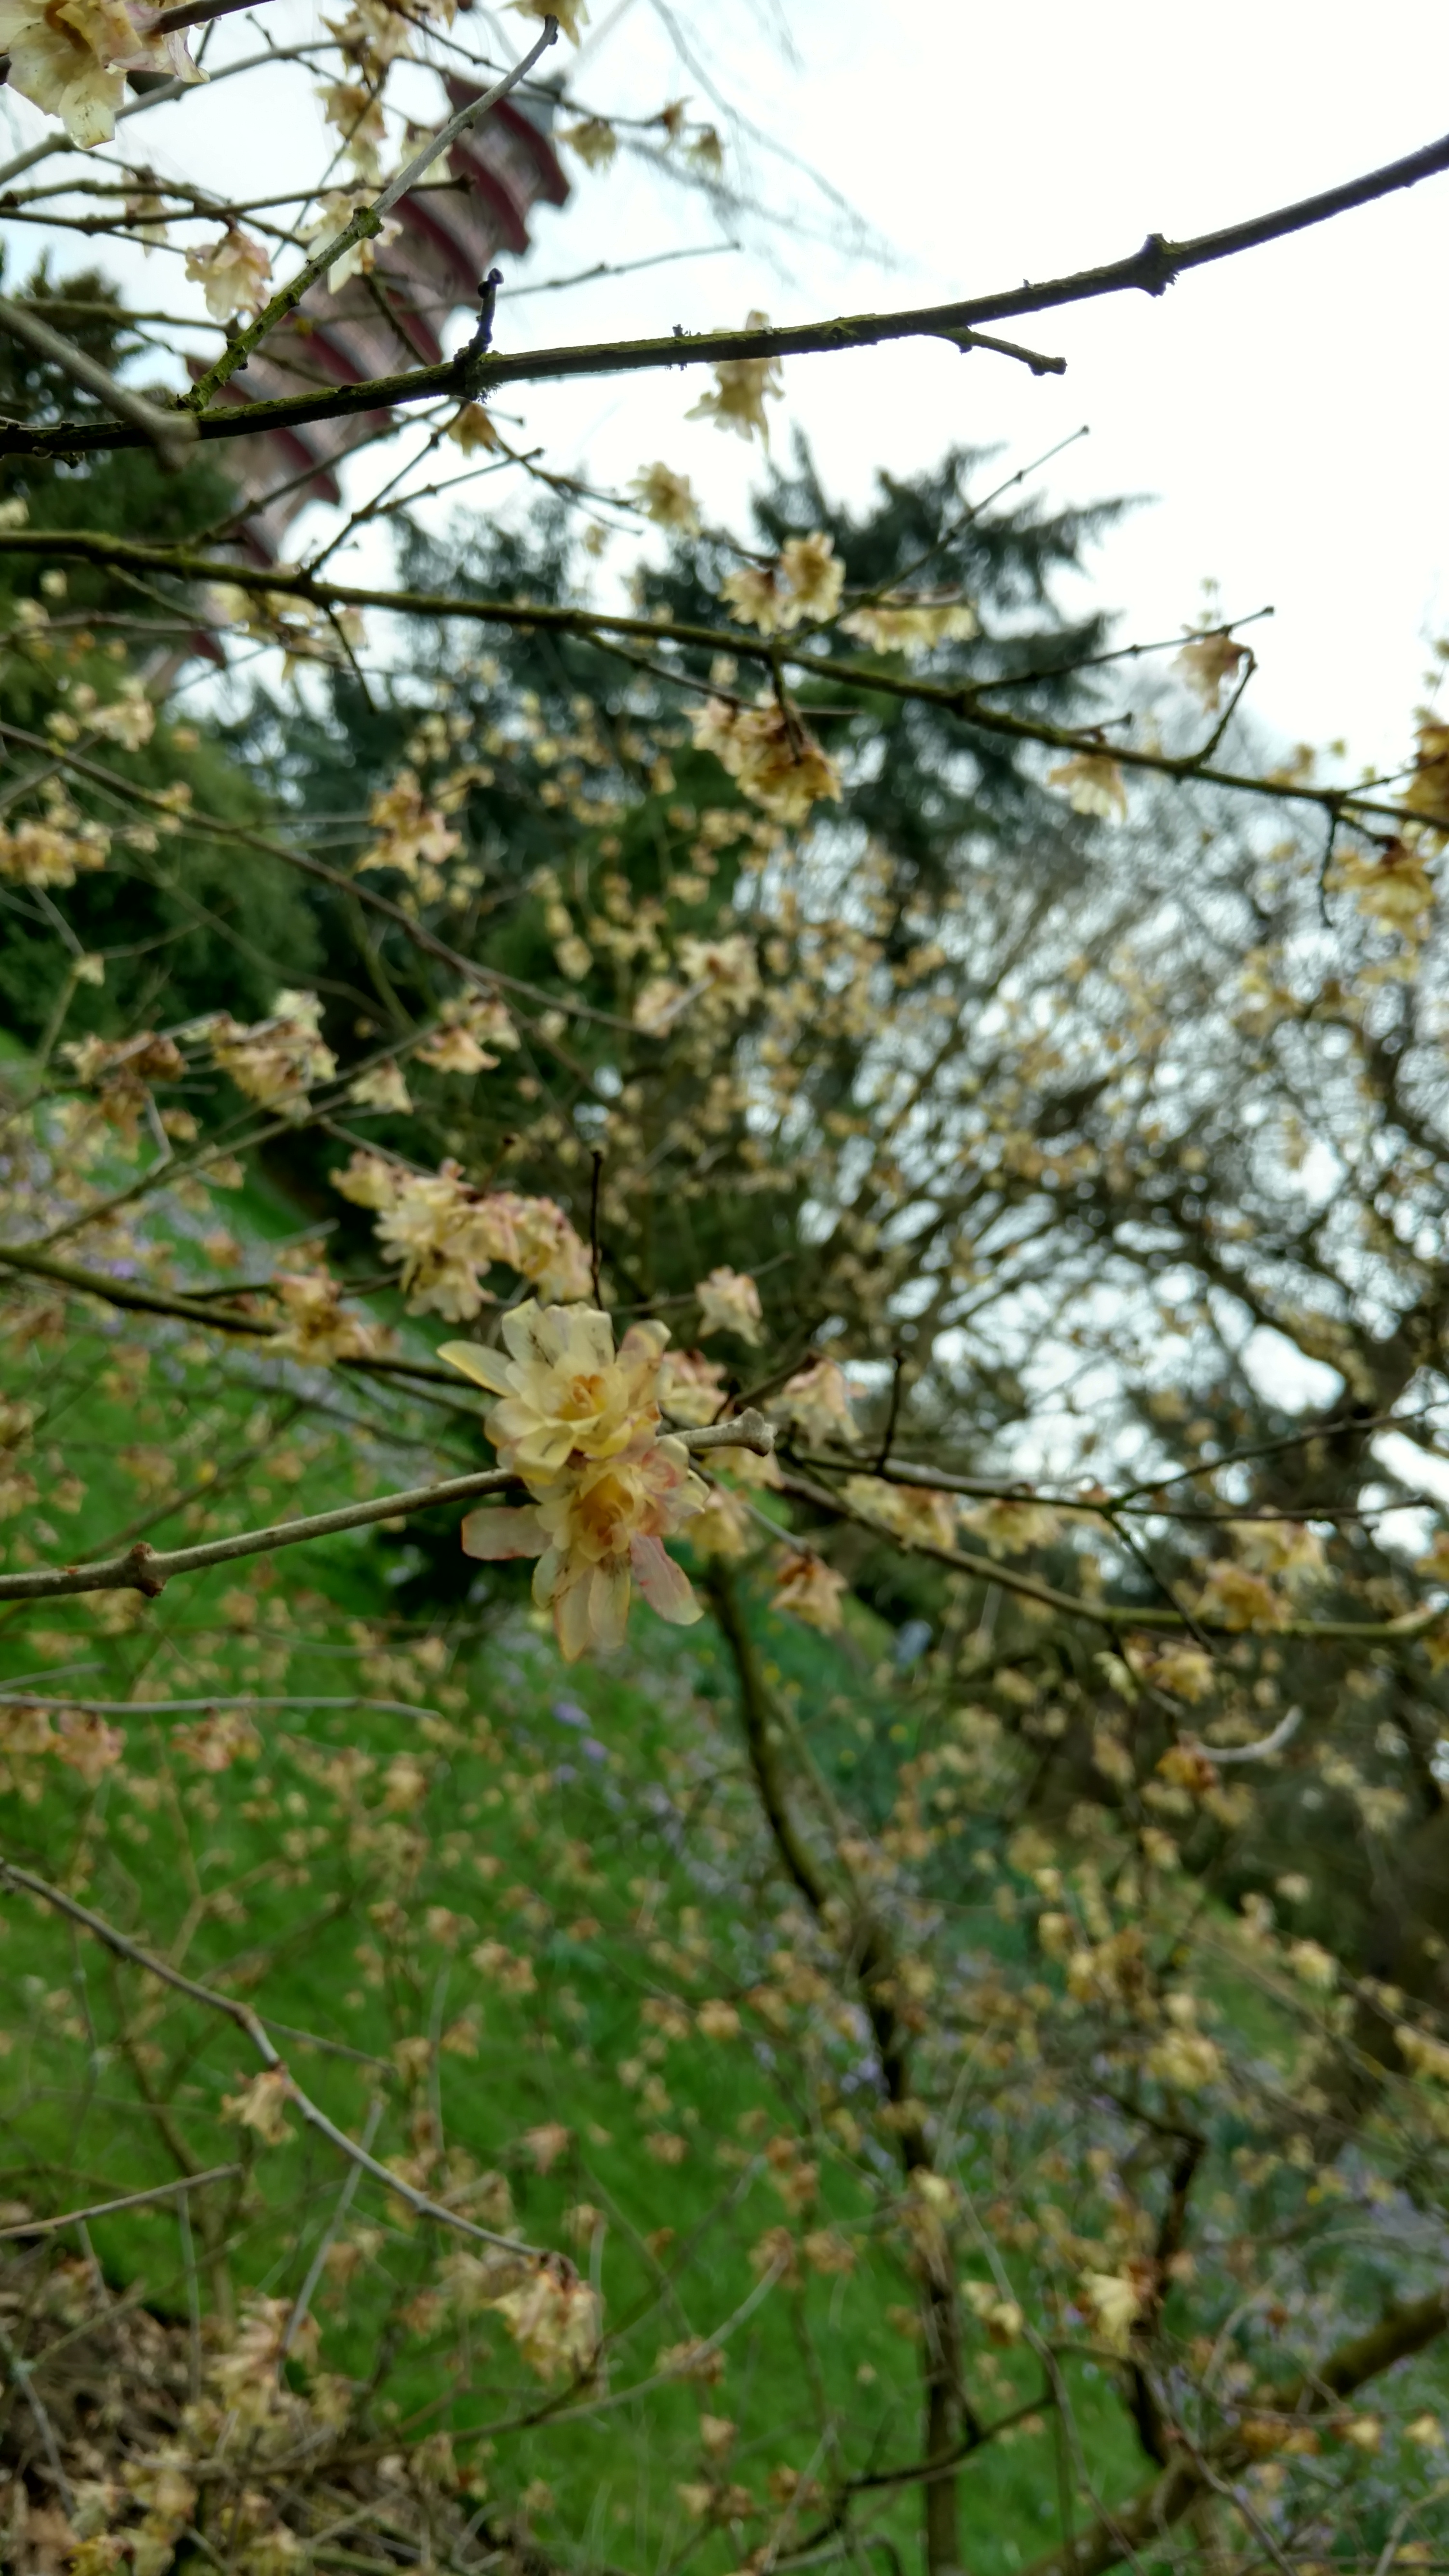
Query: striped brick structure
[{"x": 391, "y": 318}]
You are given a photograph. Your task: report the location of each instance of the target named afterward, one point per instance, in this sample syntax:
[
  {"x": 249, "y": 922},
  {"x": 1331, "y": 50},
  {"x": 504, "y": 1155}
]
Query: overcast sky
[{"x": 1284, "y": 413}]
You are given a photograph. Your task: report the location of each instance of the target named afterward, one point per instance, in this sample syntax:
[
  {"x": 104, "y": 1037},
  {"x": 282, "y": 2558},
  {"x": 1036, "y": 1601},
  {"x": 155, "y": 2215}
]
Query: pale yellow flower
[
  {"x": 667, "y": 497},
  {"x": 593, "y": 139},
  {"x": 356, "y": 113},
  {"x": 471, "y": 428},
  {"x": 129, "y": 720},
  {"x": 810, "y": 1590},
  {"x": 554, "y": 2320},
  {"x": 729, "y": 1302},
  {"x": 411, "y": 833},
  {"x": 915, "y": 1513},
  {"x": 384, "y": 1087},
  {"x": 1093, "y": 783},
  {"x": 767, "y": 748},
  {"x": 724, "y": 1526},
  {"x": 1426, "y": 2055},
  {"x": 741, "y": 387},
  {"x": 370, "y": 1181},
  {"x": 335, "y": 212},
  {"x": 234, "y": 273},
  {"x": 1115, "y": 2301},
  {"x": 564, "y": 1393},
  {"x": 817, "y": 1400},
  {"x": 727, "y": 969},
  {"x": 276, "y": 1060},
  {"x": 596, "y": 1531},
  {"x": 804, "y": 581},
  {"x": 468, "y": 1030},
  {"x": 262, "y": 2105},
  {"x": 1010, "y": 1527},
  {"x": 1205, "y": 662},
  {"x": 1392, "y": 885},
  {"x": 317, "y": 1329},
  {"x": 71, "y": 58},
  {"x": 911, "y": 622},
  {"x": 691, "y": 1388},
  {"x": 39, "y": 854},
  {"x": 1427, "y": 793}
]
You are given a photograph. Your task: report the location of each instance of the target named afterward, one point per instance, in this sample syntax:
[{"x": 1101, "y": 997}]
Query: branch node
[
  {"x": 138, "y": 1573},
  {"x": 467, "y": 366},
  {"x": 1157, "y": 264}
]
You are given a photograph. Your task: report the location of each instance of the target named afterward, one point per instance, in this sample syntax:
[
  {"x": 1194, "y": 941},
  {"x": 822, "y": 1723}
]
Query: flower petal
[
  {"x": 609, "y": 1605},
  {"x": 571, "y": 1617},
  {"x": 485, "y": 1368},
  {"x": 665, "y": 1586},
  {"x": 494, "y": 1534}
]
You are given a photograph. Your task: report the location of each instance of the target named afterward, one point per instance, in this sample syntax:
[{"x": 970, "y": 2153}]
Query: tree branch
[
  {"x": 1141, "y": 2523},
  {"x": 172, "y": 434},
  {"x": 12, "y": 1875},
  {"x": 961, "y": 699},
  {"x": 108, "y": 2208},
  {"x": 145, "y": 1569},
  {"x": 366, "y": 223},
  {"x": 1150, "y": 270}
]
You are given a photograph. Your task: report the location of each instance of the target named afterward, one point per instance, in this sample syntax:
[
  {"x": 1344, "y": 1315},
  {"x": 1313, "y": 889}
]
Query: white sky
[{"x": 1286, "y": 410}]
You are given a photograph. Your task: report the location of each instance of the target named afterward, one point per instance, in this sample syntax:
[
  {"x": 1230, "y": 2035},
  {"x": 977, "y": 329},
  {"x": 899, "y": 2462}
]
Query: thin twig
[
  {"x": 149, "y": 1570},
  {"x": 246, "y": 2020},
  {"x": 131, "y": 2200},
  {"x": 344, "y": 2202},
  {"x": 365, "y": 225}
]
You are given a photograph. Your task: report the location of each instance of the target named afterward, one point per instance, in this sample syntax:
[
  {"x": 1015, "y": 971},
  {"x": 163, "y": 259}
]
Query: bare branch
[
  {"x": 144, "y": 1569},
  {"x": 1141, "y": 2523},
  {"x": 364, "y": 226},
  {"x": 12, "y": 1875},
  {"x": 961, "y": 699},
  {"x": 130, "y": 2200},
  {"x": 172, "y": 434},
  {"x": 1150, "y": 270}
]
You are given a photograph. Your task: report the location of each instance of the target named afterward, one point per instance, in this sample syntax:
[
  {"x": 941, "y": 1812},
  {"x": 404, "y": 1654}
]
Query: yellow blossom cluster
[
  {"x": 445, "y": 1233},
  {"x": 721, "y": 977},
  {"x": 467, "y": 1030},
  {"x": 276, "y": 1061},
  {"x": 767, "y": 748},
  {"x": 412, "y": 835},
  {"x": 121, "y": 1071},
  {"x": 337, "y": 207},
  {"x": 805, "y": 580},
  {"x": 817, "y": 1401},
  {"x": 578, "y": 1423},
  {"x": 810, "y": 1589},
  {"x": 355, "y": 110},
  {"x": 234, "y": 274},
  {"x": 1205, "y": 662},
  {"x": 691, "y": 1388},
  {"x": 316, "y": 1326},
  {"x": 44, "y": 853},
  {"x": 906, "y": 621},
  {"x": 729, "y": 1302},
  {"x": 667, "y": 498},
  {"x": 1392, "y": 885},
  {"x": 915, "y": 1513}
]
